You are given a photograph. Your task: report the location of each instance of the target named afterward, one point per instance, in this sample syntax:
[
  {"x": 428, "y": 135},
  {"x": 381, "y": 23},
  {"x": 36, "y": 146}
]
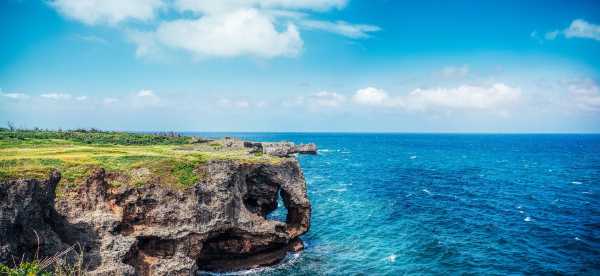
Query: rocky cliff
[{"x": 218, "y": 224}]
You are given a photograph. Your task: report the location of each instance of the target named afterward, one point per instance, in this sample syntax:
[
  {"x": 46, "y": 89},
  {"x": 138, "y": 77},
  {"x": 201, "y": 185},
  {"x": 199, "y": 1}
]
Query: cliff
[{"x": 217, "y": 223}]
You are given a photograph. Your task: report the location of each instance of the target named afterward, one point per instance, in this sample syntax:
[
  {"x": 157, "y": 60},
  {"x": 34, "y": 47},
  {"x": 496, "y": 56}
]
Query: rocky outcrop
[
  {"x": 219, "y": 224},
  {"x": 285, "y": 149},
  {"x": 27, "y": 218}
]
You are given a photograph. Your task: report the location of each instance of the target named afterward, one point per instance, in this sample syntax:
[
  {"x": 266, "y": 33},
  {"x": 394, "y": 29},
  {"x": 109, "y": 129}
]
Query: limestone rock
[{"x": 219, "y": 224}]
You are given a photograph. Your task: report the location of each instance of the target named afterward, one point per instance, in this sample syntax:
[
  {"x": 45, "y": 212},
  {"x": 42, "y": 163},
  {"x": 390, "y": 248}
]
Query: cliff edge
[{"x": 219, "y": 223}]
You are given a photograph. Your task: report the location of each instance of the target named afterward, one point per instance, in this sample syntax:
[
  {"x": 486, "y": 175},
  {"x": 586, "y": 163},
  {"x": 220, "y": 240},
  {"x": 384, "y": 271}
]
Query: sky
[{"x": 301, "y": 65}]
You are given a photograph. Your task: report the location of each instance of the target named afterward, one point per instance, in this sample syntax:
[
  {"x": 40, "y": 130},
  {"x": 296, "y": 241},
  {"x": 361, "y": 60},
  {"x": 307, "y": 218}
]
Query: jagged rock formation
[
  {"x": 285, "y": 149},
  {"x": 219, "y": 224},
  {"x": 27, "y": 219},
  {"x": 280, "y": 149}
]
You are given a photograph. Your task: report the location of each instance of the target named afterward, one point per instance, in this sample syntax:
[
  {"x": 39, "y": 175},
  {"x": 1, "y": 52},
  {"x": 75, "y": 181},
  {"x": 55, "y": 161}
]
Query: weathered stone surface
[
  {"x": 307, "y": 148},
  {"x": 26, "y": 219},
  {"x": 219, "y": 224},
  {"x": 286, "y": 149}
]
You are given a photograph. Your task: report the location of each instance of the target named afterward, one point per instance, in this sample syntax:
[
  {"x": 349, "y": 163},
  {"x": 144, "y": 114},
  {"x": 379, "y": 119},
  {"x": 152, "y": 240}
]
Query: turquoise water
[{"x": 389, "y": 204}]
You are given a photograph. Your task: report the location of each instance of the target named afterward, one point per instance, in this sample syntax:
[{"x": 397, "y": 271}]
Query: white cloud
[
  {"x": 586, "y": 94},
  {"x": 224, "y": 28},
  {"x": 455, "y": 71},
  {"x": 57, "y": 96},
  {"x": 243, "y": 32},
  {"x": 464, "y": 97},
  {"x": 579, "y": 28},
  {"x": 370, "y": 96},
  {"x": 230, "y": 5},
  {"x": 146, "y": 98},
  {"x": 328, "y": 99},
  {"x": 15, "y": 96},
  {"x": 341, "y": 28},
  {"x": 94, "y": 12},
  {"x": 582, "y": 29}
]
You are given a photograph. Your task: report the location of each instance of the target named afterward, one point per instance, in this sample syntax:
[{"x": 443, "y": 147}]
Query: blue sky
[{"x": 303, "y": 65}]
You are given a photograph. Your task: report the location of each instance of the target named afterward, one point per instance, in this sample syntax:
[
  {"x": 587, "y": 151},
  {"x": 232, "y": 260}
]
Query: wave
[{"x": 289, "y": 260}]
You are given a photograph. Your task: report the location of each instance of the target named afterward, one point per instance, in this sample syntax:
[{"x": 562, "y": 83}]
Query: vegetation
[
  {"x": 94, "y": 136},
  {"x": 68, "y": 262},
  {"x": 24, "y": 269},
  {"x": 130, "y": 159}
]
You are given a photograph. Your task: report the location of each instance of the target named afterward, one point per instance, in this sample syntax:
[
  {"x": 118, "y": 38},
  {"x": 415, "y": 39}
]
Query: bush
[
  {"x": 24, "y": 269},
  {"x": 94, "y": 136}
]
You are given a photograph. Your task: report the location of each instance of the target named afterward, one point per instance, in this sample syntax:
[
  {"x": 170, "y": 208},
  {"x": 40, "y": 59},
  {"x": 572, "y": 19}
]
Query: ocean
[{"x": 394, "y": 204}]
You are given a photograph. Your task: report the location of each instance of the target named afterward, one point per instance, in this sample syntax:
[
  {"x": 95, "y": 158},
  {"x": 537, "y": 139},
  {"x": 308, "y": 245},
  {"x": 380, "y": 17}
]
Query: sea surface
[{"x": 396, "y": 204}]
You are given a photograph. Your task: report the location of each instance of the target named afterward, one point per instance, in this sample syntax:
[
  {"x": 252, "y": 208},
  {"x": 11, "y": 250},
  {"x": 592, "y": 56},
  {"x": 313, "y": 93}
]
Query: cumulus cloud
[
  {"x": 464, "y": 97},
  {"x": 14, "y": 96},
  {"x": 579, "y": 28},
  {"x": 341, "y": 27},
  {"x": 371, "y": 96},
  {"x": 57, "y": 96},
  {"x": 224, "y": 28},
  {"x": 243, "y": 32},
  {"x": 94, "y": 12}
]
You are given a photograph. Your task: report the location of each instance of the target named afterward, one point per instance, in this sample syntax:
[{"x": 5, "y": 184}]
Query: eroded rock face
[
  {"x": 26, "y": 219},
  {"x": 285, "y": 149},
  {"x": 219, "y": 224}
]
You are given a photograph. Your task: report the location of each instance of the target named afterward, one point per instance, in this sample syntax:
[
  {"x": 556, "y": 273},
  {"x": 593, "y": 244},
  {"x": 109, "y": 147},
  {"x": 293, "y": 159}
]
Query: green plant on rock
[{"x": 24, "y": 269}]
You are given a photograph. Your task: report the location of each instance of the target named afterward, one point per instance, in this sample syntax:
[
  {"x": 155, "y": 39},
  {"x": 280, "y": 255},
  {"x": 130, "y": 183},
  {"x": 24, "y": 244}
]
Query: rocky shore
[{"x": 218, "y": 224}]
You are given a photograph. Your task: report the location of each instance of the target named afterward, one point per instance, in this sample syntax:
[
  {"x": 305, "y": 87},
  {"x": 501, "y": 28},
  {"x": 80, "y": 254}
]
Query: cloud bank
[
  {"x": 465, "y": 97},
  {"x": 225, "y": 28}
]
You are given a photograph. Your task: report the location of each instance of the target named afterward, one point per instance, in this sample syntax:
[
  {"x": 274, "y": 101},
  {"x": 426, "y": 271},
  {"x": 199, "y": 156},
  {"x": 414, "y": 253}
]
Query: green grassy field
[{"x": 131, "y": 159}]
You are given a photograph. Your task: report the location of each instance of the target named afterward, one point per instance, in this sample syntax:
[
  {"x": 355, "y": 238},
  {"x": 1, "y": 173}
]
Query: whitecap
[
  {"x": 528, "y": 219},
  {"x": 391, "y": 258},
  {"x": 576, "y": 182},
  {"x": 289, "y": 260},
  {"x": 413, "y": 157},
  {"x": 426, "y": 191},
  {"x": 577, "y": 239},
  {"x": 521, "y": 212}
]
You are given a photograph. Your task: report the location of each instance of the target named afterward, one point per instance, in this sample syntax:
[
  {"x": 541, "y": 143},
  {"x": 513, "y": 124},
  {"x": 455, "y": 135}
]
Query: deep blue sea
[{"x": 393, "y": 204}]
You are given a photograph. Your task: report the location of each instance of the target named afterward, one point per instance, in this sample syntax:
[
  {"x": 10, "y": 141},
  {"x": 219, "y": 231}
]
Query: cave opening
[
  {"x": 264, "y": 197},
  {"x": 280, "y": 213}
]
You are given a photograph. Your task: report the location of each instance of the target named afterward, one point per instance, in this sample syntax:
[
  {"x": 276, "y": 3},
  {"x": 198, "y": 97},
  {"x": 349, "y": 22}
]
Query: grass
[
  {"x": 131, "y": 160},
  {"x": 57, "y": 265}
]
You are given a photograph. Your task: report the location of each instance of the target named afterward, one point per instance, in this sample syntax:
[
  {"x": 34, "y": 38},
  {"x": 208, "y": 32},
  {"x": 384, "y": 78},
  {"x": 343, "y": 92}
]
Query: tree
[{"x": 10, "y": 125}]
